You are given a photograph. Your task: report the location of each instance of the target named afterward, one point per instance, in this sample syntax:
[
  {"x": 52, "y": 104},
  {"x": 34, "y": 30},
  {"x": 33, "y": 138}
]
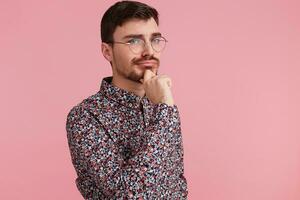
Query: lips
[{"x": 147, "y": 63}]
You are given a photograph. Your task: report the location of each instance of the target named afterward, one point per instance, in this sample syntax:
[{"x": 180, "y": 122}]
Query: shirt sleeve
[{"x": 94, "y": 152}]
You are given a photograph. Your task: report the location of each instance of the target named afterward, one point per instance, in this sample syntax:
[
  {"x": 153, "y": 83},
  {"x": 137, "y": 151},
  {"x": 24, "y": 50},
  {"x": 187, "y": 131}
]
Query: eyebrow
[{"x": 141, "y": 35}]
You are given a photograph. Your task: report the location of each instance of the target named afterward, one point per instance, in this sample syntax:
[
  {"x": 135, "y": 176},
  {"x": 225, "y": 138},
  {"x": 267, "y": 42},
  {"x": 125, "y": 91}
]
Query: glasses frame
[{"x": 128, "y": 43}]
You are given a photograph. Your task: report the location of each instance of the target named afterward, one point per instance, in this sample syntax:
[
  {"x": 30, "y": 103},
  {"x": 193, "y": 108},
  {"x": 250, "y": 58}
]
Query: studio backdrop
[{"x": 235, "y": 71}]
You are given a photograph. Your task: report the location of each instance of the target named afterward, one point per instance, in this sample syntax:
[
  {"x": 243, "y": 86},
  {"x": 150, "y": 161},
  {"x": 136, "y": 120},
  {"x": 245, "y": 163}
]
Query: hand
[{"x": 157, "y": 88}]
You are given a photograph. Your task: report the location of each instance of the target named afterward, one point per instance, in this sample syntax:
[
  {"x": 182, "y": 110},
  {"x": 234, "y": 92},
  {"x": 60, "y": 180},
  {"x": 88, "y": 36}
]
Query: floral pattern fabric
[{"x": 123, "y": 146}]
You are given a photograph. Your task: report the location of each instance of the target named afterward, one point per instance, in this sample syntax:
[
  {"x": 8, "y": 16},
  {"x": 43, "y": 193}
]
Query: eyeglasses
[{"x": 137, "y": 45}]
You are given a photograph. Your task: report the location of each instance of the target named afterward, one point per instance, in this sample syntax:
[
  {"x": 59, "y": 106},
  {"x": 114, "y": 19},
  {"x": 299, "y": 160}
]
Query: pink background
[{"x": 235, "y": 69}]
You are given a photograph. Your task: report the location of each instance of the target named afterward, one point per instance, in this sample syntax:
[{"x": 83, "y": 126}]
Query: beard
[{"x": 136, "y": 74}]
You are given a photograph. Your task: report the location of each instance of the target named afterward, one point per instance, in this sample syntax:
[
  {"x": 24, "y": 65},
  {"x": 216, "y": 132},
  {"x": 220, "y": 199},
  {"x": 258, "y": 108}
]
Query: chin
[{"x": 136, "y": 76}]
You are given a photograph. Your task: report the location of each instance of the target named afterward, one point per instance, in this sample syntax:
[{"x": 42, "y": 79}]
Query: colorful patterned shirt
[{"x": 123, "y": 146}]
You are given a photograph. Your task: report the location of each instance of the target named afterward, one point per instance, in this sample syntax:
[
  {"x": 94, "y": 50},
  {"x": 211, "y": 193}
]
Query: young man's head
[{"x": 131, "y": 41}]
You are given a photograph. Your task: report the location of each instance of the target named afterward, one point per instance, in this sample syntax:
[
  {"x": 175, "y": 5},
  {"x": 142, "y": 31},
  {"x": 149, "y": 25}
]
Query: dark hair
[{"x": 122, "y": 12}]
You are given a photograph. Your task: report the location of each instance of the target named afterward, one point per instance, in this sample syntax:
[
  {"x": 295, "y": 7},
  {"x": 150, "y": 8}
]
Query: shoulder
[
  {"x": 85, "y": 109},
  {"x": 86, "y": 105},
  {"x": 82, "y": 123}
]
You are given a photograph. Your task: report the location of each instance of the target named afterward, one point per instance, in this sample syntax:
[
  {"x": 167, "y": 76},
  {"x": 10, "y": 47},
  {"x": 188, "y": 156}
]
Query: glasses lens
[
  {"x": 158, "y": 44},
  {"x": 137, "y": 46}
]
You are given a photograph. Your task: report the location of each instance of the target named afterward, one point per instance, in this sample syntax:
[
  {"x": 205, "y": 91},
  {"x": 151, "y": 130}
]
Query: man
[{"x": 125, "y": 141}]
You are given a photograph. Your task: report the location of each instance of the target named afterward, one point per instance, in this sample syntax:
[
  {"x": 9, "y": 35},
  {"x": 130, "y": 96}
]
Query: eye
[
  {"x": 156, "y": 40},
  {"x": 134, "y": 41}
]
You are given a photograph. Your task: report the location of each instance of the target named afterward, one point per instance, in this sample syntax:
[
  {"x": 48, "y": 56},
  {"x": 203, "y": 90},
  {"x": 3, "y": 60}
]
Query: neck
[{"x": 128, "y": 85}]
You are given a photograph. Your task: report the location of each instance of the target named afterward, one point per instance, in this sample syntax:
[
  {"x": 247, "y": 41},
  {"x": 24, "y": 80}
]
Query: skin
[{"x": 128, "y": 73}]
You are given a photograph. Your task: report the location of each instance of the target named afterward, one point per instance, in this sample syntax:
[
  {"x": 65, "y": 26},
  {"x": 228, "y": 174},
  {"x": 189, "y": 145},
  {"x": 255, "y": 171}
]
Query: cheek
[
  {"x": 157, "y": 55},
  {"x": 124, "y": 59}
]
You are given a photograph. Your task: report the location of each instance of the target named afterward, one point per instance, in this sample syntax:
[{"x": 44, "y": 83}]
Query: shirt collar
[{"x": 122, "y": 96}]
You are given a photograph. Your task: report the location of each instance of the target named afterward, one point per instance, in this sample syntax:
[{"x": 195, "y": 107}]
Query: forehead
[{"x": 136, "y": 26}]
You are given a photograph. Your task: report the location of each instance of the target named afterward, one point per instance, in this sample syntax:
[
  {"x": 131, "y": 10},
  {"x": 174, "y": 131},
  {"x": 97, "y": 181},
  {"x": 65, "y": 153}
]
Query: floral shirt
[{"x": 123, "y": 146}]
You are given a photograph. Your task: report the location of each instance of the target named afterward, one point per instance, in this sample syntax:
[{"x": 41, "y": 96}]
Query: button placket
[{"x": 145, "y": 112}]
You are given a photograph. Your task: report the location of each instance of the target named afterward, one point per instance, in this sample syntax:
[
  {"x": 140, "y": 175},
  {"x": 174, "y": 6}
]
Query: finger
[
  {"x": 167, "y": 79},
  {"x": 148, "y": 75},
  {"x": 170, "y": 83}
]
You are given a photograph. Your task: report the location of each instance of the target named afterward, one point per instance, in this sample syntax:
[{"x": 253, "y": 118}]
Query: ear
[{"x": 106, "y": 51}]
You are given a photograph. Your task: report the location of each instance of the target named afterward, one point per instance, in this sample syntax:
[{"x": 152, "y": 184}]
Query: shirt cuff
[{"x": 164, "y": 112}]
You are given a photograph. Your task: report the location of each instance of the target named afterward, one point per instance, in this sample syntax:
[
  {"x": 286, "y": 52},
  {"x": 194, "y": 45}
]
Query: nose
[{"x": 148, "y": 50}]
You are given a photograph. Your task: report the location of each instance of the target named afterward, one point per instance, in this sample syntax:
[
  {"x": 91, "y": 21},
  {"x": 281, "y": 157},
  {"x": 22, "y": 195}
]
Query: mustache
[{"x": 137, "y": 60}]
